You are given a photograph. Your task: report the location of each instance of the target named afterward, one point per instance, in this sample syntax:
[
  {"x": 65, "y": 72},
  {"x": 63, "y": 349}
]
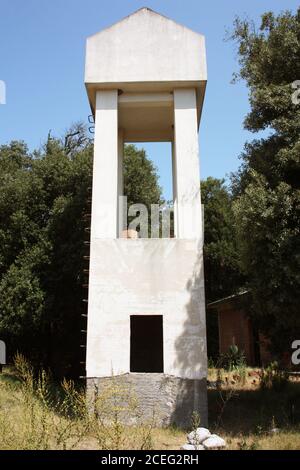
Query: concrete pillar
[
  {"x": 105, "y": 172},
  {"x": 174, "y": 172},
  {"x": 120, "y": 181},
  {"x": 187, "y": 174}
]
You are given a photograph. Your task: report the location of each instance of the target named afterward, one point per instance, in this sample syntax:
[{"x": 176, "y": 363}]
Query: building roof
[
  {"x": 228, "y": 299},
  {"x": 144, "y": 52}
]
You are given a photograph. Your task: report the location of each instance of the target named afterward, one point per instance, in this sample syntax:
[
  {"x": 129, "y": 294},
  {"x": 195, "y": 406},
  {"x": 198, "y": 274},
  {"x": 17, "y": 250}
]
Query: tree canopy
[
  {"x": 43, "y": 198},
  {"x": 267, "y": 186},
  {"x": 221, "y": 260}
]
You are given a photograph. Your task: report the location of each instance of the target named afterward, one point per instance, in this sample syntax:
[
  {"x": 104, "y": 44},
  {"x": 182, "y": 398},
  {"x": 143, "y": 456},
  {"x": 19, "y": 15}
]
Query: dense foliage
[
  {"x": 267, "y": 187},
  {"x": 222, "y": 272},
  {"x": 43, "y": 200}
]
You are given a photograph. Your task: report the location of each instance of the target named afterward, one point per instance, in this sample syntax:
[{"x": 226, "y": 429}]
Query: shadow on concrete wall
[{"x": 191, "y": 353}]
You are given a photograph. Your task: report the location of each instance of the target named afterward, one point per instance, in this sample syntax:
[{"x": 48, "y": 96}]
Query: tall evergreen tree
[{"x": 267, "y": 186}]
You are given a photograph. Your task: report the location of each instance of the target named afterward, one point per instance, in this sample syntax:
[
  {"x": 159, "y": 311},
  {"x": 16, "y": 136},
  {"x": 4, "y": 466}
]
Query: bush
[
  {"x": 273, "y": 378},
  {"x": 233, "y": 359}
]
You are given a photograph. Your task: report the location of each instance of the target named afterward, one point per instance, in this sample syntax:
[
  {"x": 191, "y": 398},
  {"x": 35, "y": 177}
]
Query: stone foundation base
[{"x": 171, "y": 400}]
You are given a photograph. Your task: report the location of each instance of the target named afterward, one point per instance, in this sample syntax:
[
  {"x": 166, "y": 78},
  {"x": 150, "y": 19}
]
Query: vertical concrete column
[
  {"x": 120, "y": 181},
  {"x": 105, "y": 172},
  {"x": 104, "y": 223},
  {"x": 187, "y": 174},
  {"x": 174, "y": 180}
]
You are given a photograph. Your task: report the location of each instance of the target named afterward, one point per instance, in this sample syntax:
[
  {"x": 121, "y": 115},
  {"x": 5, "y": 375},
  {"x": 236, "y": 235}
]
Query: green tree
[
  {"x": 140, "y": 181},
  {"x": 222, "y": 272},
  {"x": 221, "y": 261},
  {"x": 140, "y": 178},
  {"x": 267, "y": 206},
  {"x": 43, "y": 199}
]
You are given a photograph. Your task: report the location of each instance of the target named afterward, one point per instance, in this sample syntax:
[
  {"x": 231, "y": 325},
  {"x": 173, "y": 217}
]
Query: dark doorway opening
[{"x": 146, "y": 343}]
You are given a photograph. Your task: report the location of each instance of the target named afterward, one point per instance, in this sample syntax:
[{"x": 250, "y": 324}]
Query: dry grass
[
  {"x": 284, "y": 440},
  {"x": 244, "y": 414},
  {"x": 167, "y": 439},
  {"x": 252, "y": 411},
  {"x": 33, "y": 415}
]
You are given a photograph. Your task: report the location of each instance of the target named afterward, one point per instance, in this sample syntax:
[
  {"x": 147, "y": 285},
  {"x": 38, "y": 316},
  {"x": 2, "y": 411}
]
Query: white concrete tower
[{"x": 146, "y": 78}]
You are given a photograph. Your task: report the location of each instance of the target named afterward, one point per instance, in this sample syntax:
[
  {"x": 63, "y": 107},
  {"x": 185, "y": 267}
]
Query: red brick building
[{"x": 235, "y": 327}]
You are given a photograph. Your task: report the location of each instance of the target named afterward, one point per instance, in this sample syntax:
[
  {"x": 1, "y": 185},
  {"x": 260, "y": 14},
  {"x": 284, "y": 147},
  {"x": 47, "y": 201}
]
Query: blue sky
[{"x": 42, "y": 47}]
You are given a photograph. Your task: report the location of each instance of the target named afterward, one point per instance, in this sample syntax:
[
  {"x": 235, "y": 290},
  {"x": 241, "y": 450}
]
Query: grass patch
[{"x": 37, "y": 414}]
